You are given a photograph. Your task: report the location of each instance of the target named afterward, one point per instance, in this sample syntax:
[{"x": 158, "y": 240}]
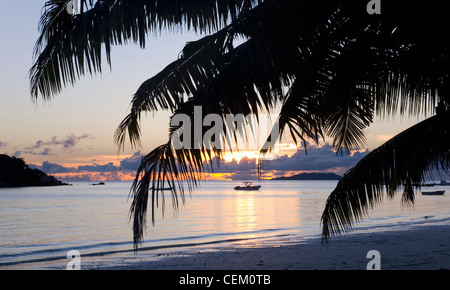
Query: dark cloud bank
[
  {"x": 126, "y": 164},
  {"x": 317, "y": 159}
]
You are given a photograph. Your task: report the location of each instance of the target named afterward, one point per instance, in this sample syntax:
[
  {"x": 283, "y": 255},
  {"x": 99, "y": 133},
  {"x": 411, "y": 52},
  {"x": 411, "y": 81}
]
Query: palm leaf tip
[
  {"x": 339, "y": 213},
  {"x": 138, "y": 209},
  {"x": 404, "y": 162},
  {"x": 161, "y": 167}
]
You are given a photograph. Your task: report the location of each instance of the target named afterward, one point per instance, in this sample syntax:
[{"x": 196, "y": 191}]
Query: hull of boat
[
  {"x": 257, "y": 187},
  {"x": 439, "y": 192}
]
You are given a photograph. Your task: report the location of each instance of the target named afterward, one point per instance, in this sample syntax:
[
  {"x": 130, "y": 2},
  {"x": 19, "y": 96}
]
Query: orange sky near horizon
[
  {"x": 116, "y": 174},
  {"x": 130, "y": 176}
]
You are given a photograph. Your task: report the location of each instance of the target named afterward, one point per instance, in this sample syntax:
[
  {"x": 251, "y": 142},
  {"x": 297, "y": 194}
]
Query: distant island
[
  {"x": 310, "y": 176},
  {"x": 14, "y": 172}
]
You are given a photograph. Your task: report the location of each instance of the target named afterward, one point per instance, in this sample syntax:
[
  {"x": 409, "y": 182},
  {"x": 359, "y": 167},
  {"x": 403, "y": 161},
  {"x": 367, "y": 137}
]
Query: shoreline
[{"x": 414, "y": 247}]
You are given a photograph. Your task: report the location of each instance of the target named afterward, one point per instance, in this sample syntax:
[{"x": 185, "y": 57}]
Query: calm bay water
[{"x": 41, "y": 224}]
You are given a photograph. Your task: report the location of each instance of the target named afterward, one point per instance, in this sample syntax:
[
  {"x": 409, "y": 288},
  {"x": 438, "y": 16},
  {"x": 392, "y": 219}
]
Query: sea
[{"x": 40, "y": 226}]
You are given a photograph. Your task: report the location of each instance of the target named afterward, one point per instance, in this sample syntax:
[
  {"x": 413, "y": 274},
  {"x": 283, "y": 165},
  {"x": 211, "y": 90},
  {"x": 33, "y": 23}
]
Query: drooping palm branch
[
  {"x": 334, "y": 88},
  {"x": 234, "y": 74},
  {"x": 402, "y": 163},
  {"x": 332, "y": 67},
  {"x": 70, "y": 46}
]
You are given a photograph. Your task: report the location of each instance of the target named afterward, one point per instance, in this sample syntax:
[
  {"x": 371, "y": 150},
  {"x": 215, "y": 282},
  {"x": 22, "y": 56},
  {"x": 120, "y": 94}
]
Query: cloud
[
  {"x": 132, "y": 163},
  {"x": 108, "y": 167},
  {"x": 322, "y": 159},
  {"x": 127, "y": 164},
  {"x": 73, "y": 140},
  {"x": 67, "y": 143},
  {"x": 93, "y": 171},
  {"x": 49, "y": 167},
  {"x": 45, "y": 152},
  {"x": 317, "y": 159}
]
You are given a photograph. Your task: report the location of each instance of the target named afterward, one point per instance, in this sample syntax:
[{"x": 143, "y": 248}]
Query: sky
[{"x": 71, "y": 136}]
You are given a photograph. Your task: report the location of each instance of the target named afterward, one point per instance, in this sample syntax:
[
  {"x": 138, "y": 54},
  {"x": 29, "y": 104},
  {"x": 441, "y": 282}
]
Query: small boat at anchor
[
  {"x": 437, "y": 192},
  {"x": 162, "y": 188},
  {"x": 100, "y": 183},
  {"x": 248, "y": 186}
]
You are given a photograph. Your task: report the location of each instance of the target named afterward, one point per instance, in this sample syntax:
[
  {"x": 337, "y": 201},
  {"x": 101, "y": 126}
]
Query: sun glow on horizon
[
  {"x": 279, "y": 149},
  {"x": 238, "y": 155},
  {"x": 96, "y": 176}
]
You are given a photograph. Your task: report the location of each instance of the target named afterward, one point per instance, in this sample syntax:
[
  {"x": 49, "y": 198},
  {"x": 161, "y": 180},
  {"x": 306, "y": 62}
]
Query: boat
[
  {"x": 162, "y": 188},
  {"x": 438, "y": 192},
  {"x": 247, "y": 186},
  {"x": 100, "y": 183}
]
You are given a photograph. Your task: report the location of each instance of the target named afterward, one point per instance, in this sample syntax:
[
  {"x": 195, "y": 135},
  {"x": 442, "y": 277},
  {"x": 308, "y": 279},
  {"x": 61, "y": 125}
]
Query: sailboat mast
[{"x": 258, "y": 165}]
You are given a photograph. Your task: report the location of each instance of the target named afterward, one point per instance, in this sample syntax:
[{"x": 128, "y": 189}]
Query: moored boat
[
  {"x": 162, "y": 188},
  {"x": 437, "y": 192},
  {"x": 248, "y": 186}
]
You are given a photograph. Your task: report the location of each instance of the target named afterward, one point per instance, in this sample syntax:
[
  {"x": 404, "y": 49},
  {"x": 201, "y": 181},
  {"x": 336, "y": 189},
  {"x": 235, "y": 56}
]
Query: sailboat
[{"x": 247, "y": 185}]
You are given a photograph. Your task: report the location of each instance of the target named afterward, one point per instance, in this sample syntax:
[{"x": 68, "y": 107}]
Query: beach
[{"x": 423, "y": 247}]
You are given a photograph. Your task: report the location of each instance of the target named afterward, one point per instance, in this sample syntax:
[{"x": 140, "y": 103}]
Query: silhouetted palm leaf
[
  {"x": 332, "y": 67},
  {"x": 404, "y": 162},
  {"x": 71, "y": 45}
]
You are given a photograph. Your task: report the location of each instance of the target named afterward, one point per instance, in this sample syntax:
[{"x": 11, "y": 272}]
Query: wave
[
  {"x": 91, "y": 250},
  {"x": 412, "y": 222}
]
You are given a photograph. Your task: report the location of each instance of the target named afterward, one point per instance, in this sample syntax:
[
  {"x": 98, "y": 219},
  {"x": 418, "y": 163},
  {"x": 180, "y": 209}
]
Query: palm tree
[{"x": 330, "y": 65}]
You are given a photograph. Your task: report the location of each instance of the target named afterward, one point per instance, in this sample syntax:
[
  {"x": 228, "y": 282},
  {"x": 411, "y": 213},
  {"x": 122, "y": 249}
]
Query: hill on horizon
[
  {"x": 310, "y": 176},
  {"x": 14, "y": 172}
]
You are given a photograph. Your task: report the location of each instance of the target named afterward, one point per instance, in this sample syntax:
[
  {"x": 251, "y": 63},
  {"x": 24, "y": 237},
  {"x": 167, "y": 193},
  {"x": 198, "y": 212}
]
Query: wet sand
[{"x": 422, "y": 247}]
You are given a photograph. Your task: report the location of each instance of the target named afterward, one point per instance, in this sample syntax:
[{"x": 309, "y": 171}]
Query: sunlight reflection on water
[{"x": 41, "y": 223}]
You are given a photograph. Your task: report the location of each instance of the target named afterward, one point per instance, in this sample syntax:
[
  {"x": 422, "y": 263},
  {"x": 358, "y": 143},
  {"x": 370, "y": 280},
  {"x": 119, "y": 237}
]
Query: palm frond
[
  {"x": 403, "y": 162},
  {"x": 338, "y": 65},
  {"x": 325, "y": 100},
  {"x": 298, "y": 114},
  {"x": 217, "y": 71},
  {"x": 184, "y": 167},
  {"x": 161, "y": 168},
  {"x": 167, "y": 90},
  {"x": 72, "y": 45},
  {"x": 168, "y": 166}
]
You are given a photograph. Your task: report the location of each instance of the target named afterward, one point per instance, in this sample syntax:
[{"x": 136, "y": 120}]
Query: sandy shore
[{"x": 407, "y": 248}]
